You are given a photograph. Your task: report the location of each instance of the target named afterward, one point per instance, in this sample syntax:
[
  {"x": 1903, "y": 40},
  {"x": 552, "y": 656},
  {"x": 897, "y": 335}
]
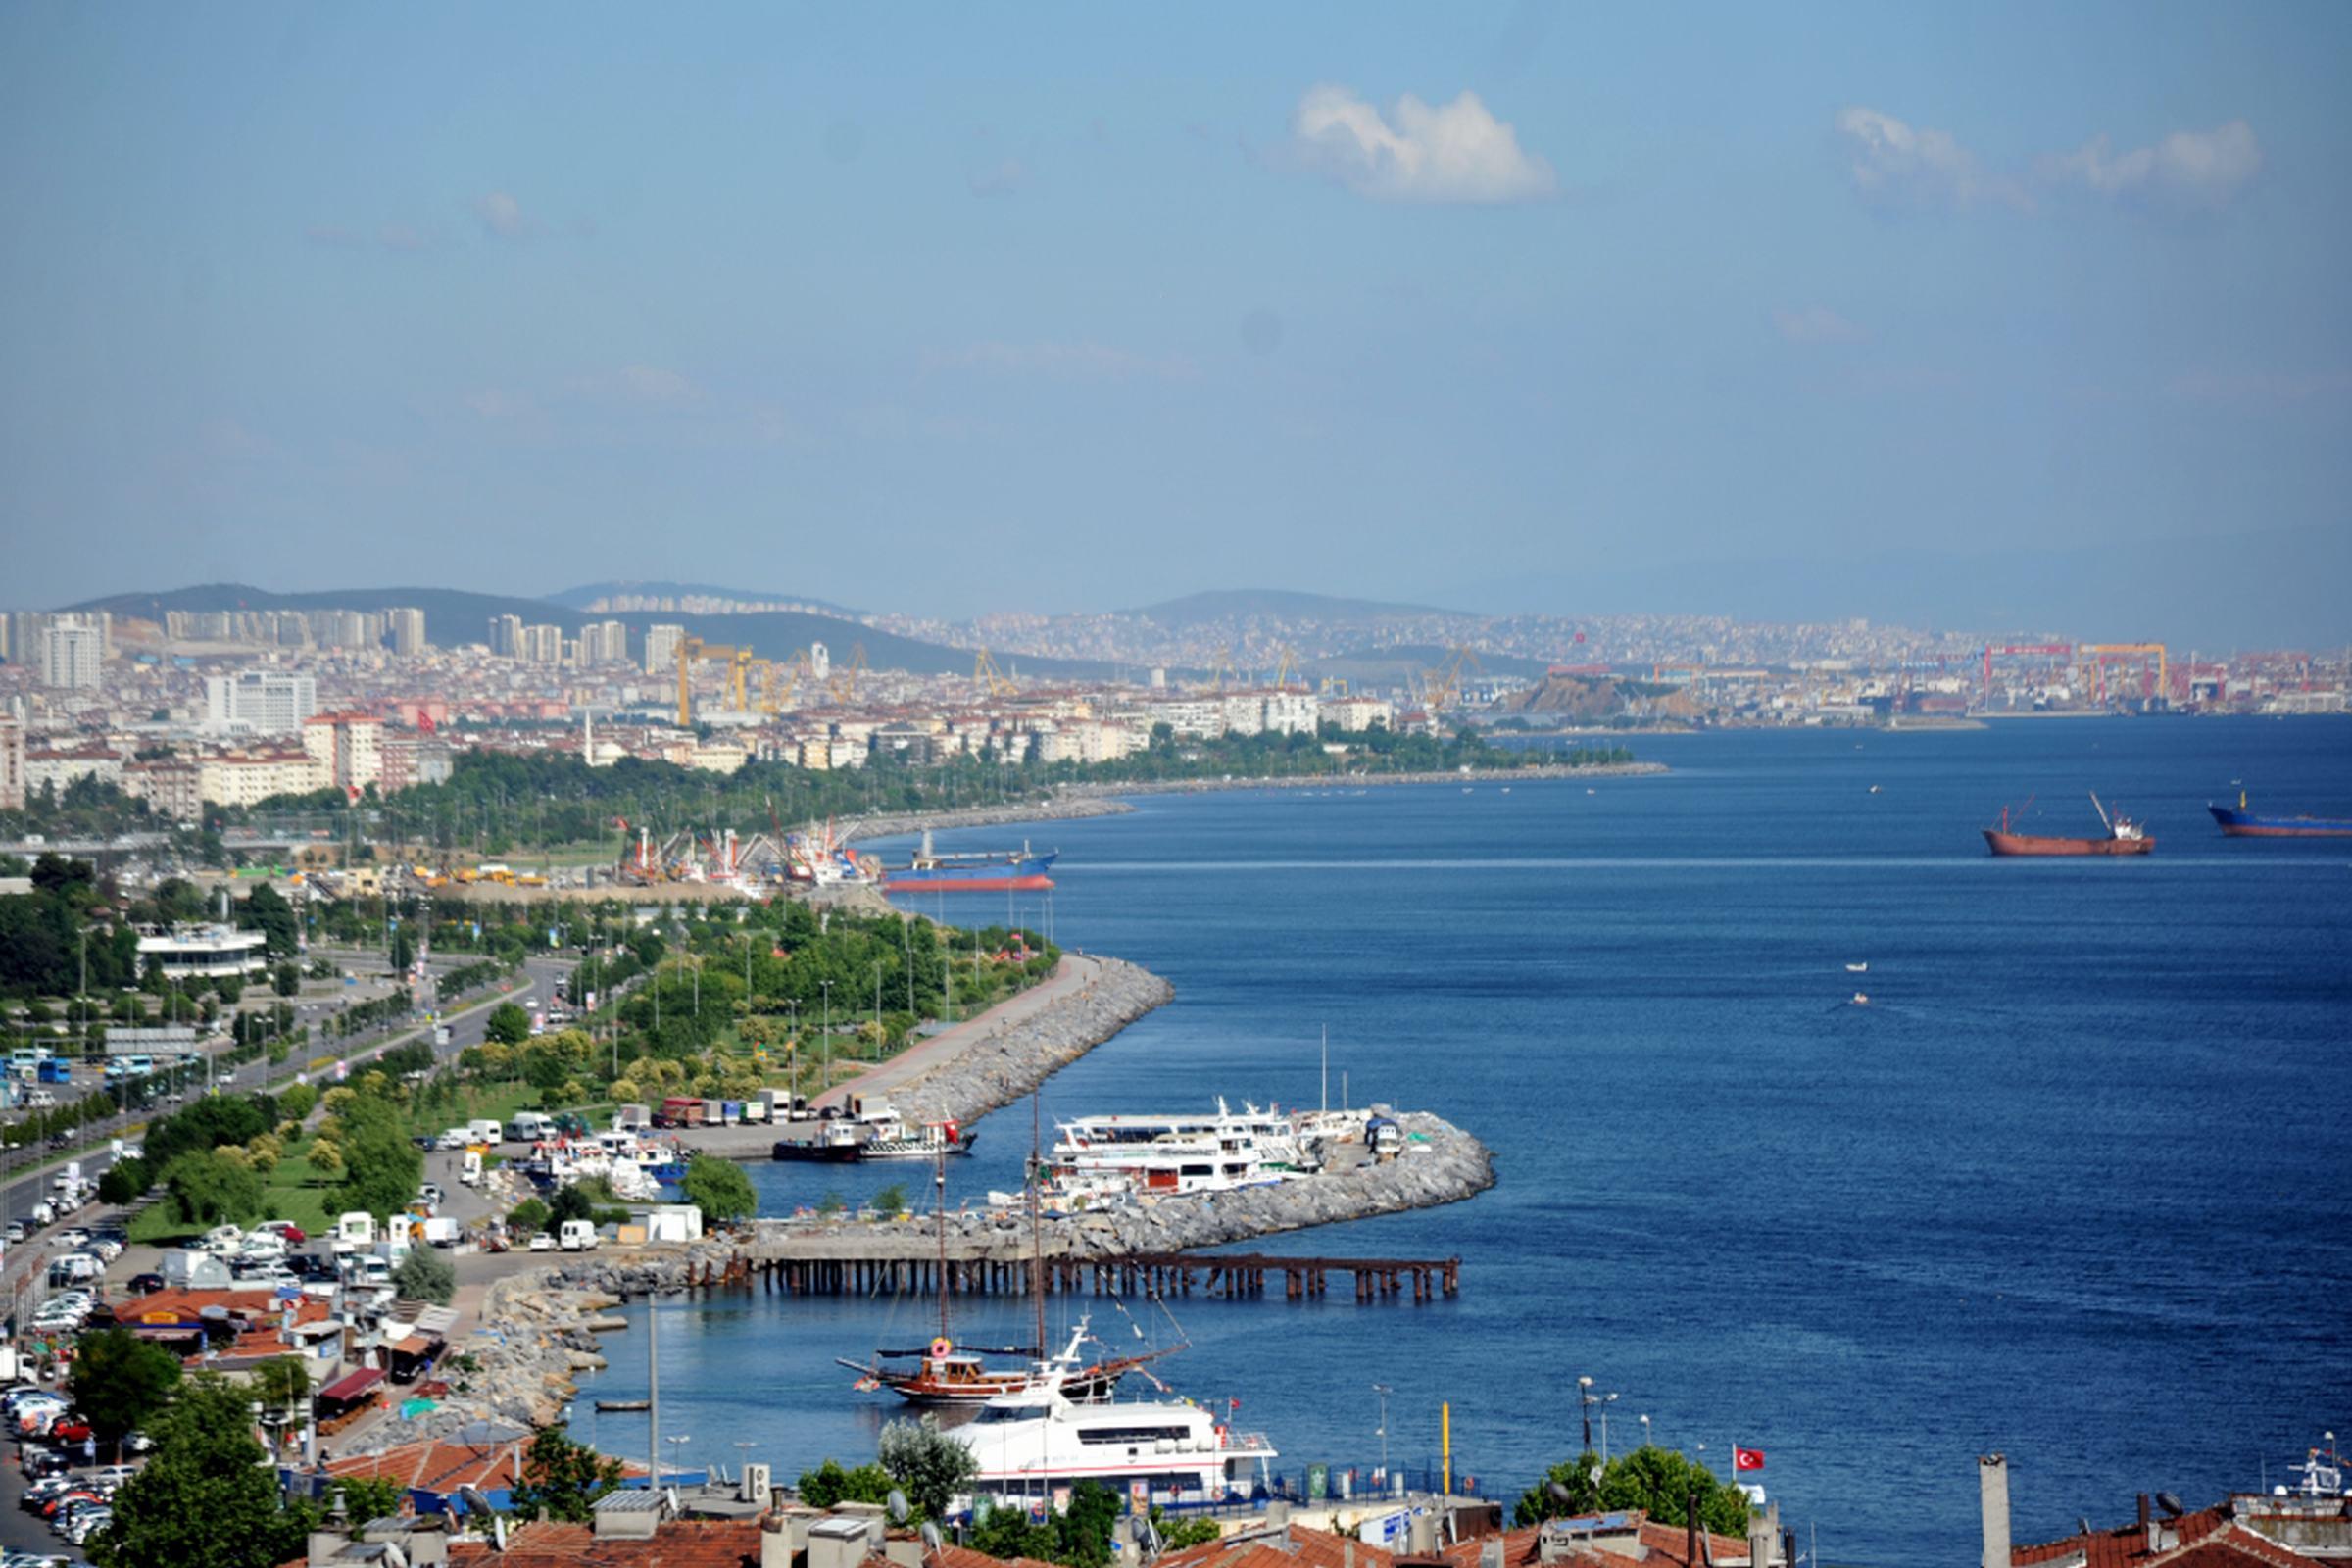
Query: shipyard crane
[
  {"x": 2095, "y": 657},
  {"x": 1445, "y": 686},
  {"x": 1222, "y": 666},
  {"x": 988, "y": 678},
  {"x": 1288, "y": 668},
  {"x": 1993, "y": 650},
  {"x": 844, "y": 682}
]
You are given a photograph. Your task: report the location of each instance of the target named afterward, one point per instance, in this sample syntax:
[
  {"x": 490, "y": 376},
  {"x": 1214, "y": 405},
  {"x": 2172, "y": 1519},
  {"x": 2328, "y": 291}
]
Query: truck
[
  {"x": 679, "y": 1110},
  {"x": 529, "y": 1127},
  {"x": 577, "y": 1236},
  {"x": 355, "y": 1232},
  {"x": 440, "y": 1231}
]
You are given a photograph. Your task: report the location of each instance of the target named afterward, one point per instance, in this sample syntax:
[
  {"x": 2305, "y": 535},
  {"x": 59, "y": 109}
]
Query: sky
[{"x": 953, "y": 309}]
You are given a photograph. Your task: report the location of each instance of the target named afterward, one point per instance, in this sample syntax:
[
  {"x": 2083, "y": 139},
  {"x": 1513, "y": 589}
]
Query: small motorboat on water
[
  {"x": 1861, "y": 998},
  {"x": 1858, "y": 968}
]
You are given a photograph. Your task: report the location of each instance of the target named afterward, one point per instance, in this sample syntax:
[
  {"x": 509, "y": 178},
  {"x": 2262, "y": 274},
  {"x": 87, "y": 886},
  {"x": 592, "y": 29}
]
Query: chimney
[
  {"x": 1421, "y": 1536},
  {"x": 327, "y": 1542},
  {"x": 1347, "y": 1551},
  {"x": 1992, "y": 1500},
  {"x": 775, "y": 1542},
  {"x": 1691, "y": 1532},
  {"x": 1760, "y": 1537},
  {"x": 1278, "y": 1515},
  {"x": 1489, "y": 1552}
]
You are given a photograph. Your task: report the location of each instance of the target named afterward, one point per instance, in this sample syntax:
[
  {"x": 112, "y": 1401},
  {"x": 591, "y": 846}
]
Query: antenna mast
[
  {"x": 1037, "y": 1225},
  {"x": 939, "y": 1211}
]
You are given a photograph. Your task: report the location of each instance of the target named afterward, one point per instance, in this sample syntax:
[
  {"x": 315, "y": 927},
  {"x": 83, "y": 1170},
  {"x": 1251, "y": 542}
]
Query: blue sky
[{"x": 1051, "y": 308}]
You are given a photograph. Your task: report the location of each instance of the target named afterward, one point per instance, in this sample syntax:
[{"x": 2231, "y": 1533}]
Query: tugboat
[
  {"x": 2123, "y": 837},
  {"x": 2244, "y": 825}
]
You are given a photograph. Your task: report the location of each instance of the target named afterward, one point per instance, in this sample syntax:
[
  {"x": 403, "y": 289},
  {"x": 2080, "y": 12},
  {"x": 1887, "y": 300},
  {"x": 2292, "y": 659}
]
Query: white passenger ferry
[
  {"x": 1030, "y": 1448},
  {"x": 1183, "y": 1153}
]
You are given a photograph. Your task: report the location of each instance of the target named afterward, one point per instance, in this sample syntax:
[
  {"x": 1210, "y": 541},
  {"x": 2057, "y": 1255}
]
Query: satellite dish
[
  {"x": 931, "y": 1540},
  {"x": 394, "y": 1557},
  {"x": 1596, "y": 1473},
  {"x": 476, "y": 1501},
  {"x": 2083, "y": 1523},
  {"x": 896, "y": 1503},
  {"x": 1558, "y": 1493},
  {"x": 2171, "y": 1505},
  {"x": 498, "y": 1531}
]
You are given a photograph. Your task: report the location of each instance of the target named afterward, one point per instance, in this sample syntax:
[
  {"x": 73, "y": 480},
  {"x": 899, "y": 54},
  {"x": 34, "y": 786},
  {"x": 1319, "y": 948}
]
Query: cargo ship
[
  {"x": 2244, "y": 825},
  {"x": 981, "y": 871},
  {"x": 2123, "y": 837}
]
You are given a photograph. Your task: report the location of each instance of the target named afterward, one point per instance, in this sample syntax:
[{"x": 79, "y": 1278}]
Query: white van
[
  {"x": 529, "y": 1127},
  {"x": 355, "y": 1232},
  {"x": 577, "y": 1236},
  {"x": 486, "y": 1131}
]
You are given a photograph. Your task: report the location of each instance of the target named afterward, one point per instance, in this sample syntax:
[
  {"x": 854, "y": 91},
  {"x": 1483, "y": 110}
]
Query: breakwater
[{"x": 1012, "y": 1057}]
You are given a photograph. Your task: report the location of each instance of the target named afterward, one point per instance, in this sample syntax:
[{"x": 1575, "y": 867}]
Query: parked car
[
  {"x": 142, "y": 1284},
  {"x": 285, "y": 1230},
  {"x": 541, "y": 1242}
]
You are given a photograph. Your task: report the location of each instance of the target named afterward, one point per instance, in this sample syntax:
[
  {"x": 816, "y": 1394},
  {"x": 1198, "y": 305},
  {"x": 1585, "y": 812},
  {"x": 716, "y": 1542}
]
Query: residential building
[
  {"x": 55, "y": 767},
  {"x": 605, "y": 642},
  {"x": 261, "y": 702},
  {"x": 12, "y": 759},
  {"x": 661, "y": 648},
  {"x": 171, "y": 786},
  {"x": 72, "y": 653},
  {"x": 540, "y": 645},
  {"x": 348, "y": 746},
  {"x": 248, "y": 778},
  {"x": 406, "y": 629},
  {"x": 505, "y": 636}
]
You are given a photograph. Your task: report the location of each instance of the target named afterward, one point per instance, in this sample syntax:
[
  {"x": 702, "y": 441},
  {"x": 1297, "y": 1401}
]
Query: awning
[{"x": 352, "y": 1385}]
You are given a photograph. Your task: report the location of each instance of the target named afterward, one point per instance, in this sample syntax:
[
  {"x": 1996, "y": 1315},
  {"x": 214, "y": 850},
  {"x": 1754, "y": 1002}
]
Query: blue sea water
[{"x": 2071, "y": 1187}]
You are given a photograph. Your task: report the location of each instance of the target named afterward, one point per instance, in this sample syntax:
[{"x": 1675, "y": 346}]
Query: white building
[
  {"x": 350, "y": 746},
  {"x": 540, "y": 645},
  {"x": 405, "y": 628},
  {"x": 248, "y": 778},
  {"x": 605, "y": 642},
  {"x": 204, "y": 951},
  {"x": 71, "y": 653},
  {"x": 661, "y": 648},
  {"x": 820, "y": 662},
  {"x": 12, "y": 760},
  {"x": 261, "y": 702},
  {"x": 505, "y": 635},
  {"x": 1288, "y": 712},
  {"x": 53, "y": 769}
]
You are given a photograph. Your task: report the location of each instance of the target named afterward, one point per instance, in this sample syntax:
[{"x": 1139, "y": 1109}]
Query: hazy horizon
[{"x": 1945, "y": 318}]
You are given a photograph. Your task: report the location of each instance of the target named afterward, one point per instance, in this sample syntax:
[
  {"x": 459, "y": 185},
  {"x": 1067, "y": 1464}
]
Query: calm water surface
[{"x": 2071, "y": 1187}]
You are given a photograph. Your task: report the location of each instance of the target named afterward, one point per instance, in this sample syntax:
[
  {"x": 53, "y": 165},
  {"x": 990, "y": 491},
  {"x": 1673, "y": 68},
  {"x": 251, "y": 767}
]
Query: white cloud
[
  {"x": 1454, "y": 152},
  {"x": 400, "y": 237},
  {"x": 1814, "y": 323},
  {"x": 2201, "y": 167},
  {"x": 1899, "y": 162},
  {"x": 1073, "y": 362},
  {"x": 501, "y": 215}
]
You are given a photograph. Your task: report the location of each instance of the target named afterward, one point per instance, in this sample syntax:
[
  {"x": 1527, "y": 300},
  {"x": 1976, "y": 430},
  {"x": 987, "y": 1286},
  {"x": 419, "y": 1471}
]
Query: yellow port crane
[
  {"x": 988, "y": 678},
  {"x": 1442, "y": 686},
  {"x": 1288, "y": 668},
  {"x": 2094, "y": 658},
  {"x": 843, "y": 683},
  {"x": 738, "y": 662}
]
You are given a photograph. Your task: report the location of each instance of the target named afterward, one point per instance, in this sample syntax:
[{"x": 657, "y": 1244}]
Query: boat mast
[
  {"x": 1036, "y": 1229},
  {"x": 939, "y": 1182}
]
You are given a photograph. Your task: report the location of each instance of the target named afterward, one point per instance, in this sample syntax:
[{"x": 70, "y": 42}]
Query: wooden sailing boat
[{"x": 947, "y": 1374}]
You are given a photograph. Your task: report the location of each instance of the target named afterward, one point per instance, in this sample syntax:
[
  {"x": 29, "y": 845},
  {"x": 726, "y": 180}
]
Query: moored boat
[
  {"x": 2242, "y": 823},
  {"x": 2123, "y": 837},
  {"x": 984, "y": 871}
]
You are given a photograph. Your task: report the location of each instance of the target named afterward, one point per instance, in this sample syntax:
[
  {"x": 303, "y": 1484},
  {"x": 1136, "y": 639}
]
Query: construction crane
[
  {"x": 1444, "y": 686},
  {"x": 1287, "y": 668},
  {"x": 2095, "y": 657},
  {"x": 1222, "y": 666},
  {"x": 1334, "y": 686},
  {"x": 843, "y": 683},
  {"x": 988, "y": 678},
  {"x": 2059, "y": 650},
  {"x": 734, "y": 683}
]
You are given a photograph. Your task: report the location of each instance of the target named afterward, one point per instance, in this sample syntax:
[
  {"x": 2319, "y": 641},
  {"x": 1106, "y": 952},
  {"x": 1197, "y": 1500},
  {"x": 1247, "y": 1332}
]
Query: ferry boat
[
  {"x": 1103, "y": 1158},
  {"x": 881, "y": 1134},
  {"x": 1025, "y": 1446},
  {"x": 980, "y": 872},
  {"x": 952, "y": 1376},
  {"x": 2242, "y": 823},
  {"x": 2123, "y": 837}
]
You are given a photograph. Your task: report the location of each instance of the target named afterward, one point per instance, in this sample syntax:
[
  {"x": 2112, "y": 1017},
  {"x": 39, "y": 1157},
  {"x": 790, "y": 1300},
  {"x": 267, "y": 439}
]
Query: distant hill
[
  {"x": 582, "y": 597},
  {"x": 453, "y": 618},
  {"x": 1381, "y": 665},
  {"x": 1281, "y": 603}
]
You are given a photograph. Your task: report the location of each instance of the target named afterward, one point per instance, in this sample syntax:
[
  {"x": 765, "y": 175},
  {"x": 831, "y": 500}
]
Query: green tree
[
  {"x": 120, "y": 1381},
  {"x": 528, "y": 1216},
  {"x": 829, "y": 1483},
  {"x": 562, "y": 1479},
  {"x": 569, "y": 1204},
  {"x": 124, "y": 1180},
  {"x": 289, "y": 980},
  {"x": 427, "y": 1275},
  {"x": 719, "y": 1189},
  {"x": 205, "y": 1496},
  {"x": 283, "y": 1383},
  {"x": 1652, "y": 1478},
  {"x": 209, "y": 1187},
  {"x": 507, "y": 1025},
  {"x": 929, "y": 1466},
  {"x": 381, "y": 1167},
  {"x": 296, "y": 1101},
  {"x": 404, "y": 950},
  {"x": 265, "y": 911},
  {"x": 890, "y": 1201}
]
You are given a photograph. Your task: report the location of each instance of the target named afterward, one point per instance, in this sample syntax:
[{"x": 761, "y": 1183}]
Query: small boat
[
  {"x": 1858, "y": 968},
  {"x": 989, "y": 872},
  {"x": 1874, "y": 789},
  {"x": 949, "y": 1375},
  {"x": 2123, "y": 837},
  {"x": 2244, "y": 825},
  {"x": 1861, "y": 998}
]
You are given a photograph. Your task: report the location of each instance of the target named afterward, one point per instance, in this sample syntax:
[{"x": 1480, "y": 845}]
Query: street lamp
[
  {"x": 1587, "y": 1399},
  {"x": 677, "y": 1447},
  {"x": 1645, "y": 1431},
  {"x": 827, "y": 987}
]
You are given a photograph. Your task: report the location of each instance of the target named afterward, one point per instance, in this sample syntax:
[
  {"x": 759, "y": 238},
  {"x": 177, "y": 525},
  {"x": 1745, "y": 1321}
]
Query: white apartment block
[
  {"x": 661, "y": 648},
  {"x": 73, "y": 651},
  {"x": 12, "y": 762},
  {"x": 350, "y": 746},
  {"x": 261, "y": 702},
  {"x": 1356, "y": 714},
  {"x": 247, "y": 778},
  {"x": 405, "y": 628},
  {"x": 540, "y": 645}
]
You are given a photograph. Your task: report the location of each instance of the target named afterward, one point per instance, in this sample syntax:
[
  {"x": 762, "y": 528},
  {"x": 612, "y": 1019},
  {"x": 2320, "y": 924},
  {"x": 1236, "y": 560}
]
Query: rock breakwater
[{"x": 1016, "y": 1057}]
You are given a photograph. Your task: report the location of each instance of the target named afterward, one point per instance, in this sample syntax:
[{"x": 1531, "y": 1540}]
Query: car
[
  {"x": 431, "y": 1193},
  {"x": 541, "y": 1242},
  {"x": 136, "y": 1442},
  {"x": 72, "y": 1429},
  {"x": 18, "y": 1230},
  {"x": 426, "y": 1142},
  {"x": 112, "y": 1475},
  {"x": 285, "y": 1230},
  {"x": 145, "y": 1283}
]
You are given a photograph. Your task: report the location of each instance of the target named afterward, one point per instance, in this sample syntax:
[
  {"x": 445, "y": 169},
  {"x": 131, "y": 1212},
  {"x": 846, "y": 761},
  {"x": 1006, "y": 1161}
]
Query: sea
[{"x": 2071, "y": 1186}]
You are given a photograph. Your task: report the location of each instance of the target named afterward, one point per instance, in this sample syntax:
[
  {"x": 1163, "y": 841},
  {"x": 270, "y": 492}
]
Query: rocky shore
[{"x": 1013, "y": 1059}]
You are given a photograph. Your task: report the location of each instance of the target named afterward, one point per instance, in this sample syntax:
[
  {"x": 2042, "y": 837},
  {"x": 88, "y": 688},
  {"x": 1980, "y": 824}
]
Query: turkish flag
[
  {"x": 1747, "y": 1459},
  {"x": 425, "y": 722}
]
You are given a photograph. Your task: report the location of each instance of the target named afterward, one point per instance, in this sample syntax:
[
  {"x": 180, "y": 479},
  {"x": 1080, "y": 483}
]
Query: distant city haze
[{"x": 2002, "y": 319}]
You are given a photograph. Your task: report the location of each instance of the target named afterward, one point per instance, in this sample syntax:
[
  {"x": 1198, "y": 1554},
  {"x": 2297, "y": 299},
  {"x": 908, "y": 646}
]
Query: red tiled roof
[
  {"x": 1257, "y": 1548},
  {"x": 439, "y": 1467},
  {"x": 2207, "y": 1538},
  {"x": 676, "y": 1544}
]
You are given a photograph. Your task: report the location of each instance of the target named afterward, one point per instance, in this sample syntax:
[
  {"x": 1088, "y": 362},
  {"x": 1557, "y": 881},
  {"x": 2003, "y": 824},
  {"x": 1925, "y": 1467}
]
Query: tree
[
  {"x": 427, "y": 1275},
  {"x": 928, "y": 1465},
  {"x": 381, "y": 1167},
  {"x": 289, "y": 980},
  {"x": 891, "y": 1200},
  {"x": 562, "y": 1479},
  {"x": 527, "y": 1217},
  {"x": 1652, "y": 1478},
  {"x": 210, "y": 1186},
  {"x": 404, "y": 950},
  {"x": 124, "y": 1180},
  {"x": 569, "y": 1204},
  {"x": 829, "y": 1483},
  {"x": 268, "y": 912},
  {"x": 205, "y": 1496},
  {"x": 509, "y": 1024},
  {"x": 120, "y": 1381},
  {"x": 719, "y": 1189}
]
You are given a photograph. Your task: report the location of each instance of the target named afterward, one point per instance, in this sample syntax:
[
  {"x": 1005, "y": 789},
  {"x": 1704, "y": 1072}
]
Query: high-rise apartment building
[
  {"x": 405, "y": 629},
  {"x": 12, "y": 759},
  {"x": 72, "y": 653},
  {"x": 263, "y": 701},
  {"x": 605, "y": 642},
  {"x": 661, "y": 648},
  {"x": 505, "y": 636},
  {"x": 540, "y": 645}
]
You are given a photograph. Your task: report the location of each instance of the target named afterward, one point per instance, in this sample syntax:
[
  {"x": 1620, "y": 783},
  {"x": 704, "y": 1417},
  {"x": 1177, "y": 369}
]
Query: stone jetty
[{"x": 1010, "y": 1059}]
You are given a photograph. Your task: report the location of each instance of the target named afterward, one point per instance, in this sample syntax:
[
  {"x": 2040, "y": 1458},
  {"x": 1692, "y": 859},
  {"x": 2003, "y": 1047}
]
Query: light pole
[
  {"x": 827, "y": 987},
  {"x": 1383, "y": 1390},
  {"x": 1645, "y": 1431},
  {"x": 678, "y": 1447}
]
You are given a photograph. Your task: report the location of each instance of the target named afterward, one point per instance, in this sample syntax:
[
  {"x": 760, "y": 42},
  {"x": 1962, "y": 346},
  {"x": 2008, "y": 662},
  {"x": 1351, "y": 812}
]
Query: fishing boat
[
  {"x": 2123, "y": 837},
  {"x": 978, "y": 871},
  {"x": 1025, "y": 1446},
  {"x": 2242, "y": 823},
  {"x": 1858, "y": 968}
]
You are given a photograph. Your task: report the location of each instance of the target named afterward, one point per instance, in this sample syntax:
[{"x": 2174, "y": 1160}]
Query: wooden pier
[{"x": 1233, "y": 1276}]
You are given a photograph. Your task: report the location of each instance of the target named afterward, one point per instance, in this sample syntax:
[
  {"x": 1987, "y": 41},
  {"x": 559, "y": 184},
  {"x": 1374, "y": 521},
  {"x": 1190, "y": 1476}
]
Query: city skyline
[{"x": 1502, "y": 311}]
